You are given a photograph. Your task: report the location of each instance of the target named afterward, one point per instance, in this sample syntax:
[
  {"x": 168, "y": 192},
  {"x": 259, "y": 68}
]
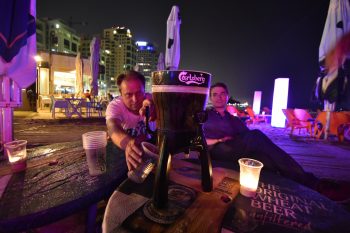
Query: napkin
[{"x": 3, "y": 183}]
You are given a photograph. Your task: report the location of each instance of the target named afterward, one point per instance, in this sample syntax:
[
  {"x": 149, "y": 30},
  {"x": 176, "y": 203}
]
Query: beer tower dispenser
[{"x": 180, "y": 98}]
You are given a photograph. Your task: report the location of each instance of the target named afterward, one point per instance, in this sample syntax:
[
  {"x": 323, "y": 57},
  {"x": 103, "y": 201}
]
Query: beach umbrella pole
[{"x": 328, "y": 107}]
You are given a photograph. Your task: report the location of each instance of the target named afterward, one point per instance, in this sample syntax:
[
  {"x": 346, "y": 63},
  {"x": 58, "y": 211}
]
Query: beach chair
[
  {"x": 294, "y": 123},
  {"x": 255, "y": 118},
  {"x": 232, "y": 110},
  {"x": 304, "y": 118}
]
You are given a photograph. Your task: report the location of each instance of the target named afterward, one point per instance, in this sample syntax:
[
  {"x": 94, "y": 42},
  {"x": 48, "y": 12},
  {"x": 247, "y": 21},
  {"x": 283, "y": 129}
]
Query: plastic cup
[
  {"x": 17, "y": 154},
  {"x": 150, "y": 150},
  {"x": 94, "y": 144},
  {"x": 249, "y": 176},
  {"x": 149, "y": 160}
]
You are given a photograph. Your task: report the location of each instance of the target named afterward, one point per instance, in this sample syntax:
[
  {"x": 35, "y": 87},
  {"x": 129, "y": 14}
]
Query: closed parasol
[
  {"x": 17, "y": 64},
  {"x": 332, "y": 83},
  {"x": 94, "y": 61},
  {"x": 161, "y": 62},
  {"x": 172, "y": 50},
  {"x": 79, "y": 75}
]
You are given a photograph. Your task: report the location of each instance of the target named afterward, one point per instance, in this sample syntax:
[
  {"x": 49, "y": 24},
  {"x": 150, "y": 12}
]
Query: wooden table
[
  {"x": 55, "y": 185},
  {"x": 280, "y": 205}
]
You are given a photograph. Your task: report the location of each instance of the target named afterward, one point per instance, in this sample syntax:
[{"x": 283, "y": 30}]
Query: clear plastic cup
[
  {"x": 149, "y": 160},
  {"x": 17, "y": 154},
  {"x": 249, "y": 174},
  {"x": 94, "y": 144}
]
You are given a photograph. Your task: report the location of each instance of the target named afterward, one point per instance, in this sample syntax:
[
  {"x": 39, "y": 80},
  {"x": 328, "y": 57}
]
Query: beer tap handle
[{"x": 147, "y": 115}]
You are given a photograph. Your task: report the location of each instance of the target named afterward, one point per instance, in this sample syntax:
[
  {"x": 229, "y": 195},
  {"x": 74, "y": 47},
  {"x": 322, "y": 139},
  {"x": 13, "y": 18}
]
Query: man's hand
[
  {"x": 133, "y": 154},
  {"x": 148, "y": 102}
]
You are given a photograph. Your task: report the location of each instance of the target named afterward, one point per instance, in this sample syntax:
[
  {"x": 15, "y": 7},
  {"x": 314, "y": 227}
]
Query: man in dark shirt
[{"x": 229, "y": 139}]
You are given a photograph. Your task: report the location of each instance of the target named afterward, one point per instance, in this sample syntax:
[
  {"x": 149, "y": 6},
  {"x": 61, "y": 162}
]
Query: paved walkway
[{"x": 40, "y": 129}]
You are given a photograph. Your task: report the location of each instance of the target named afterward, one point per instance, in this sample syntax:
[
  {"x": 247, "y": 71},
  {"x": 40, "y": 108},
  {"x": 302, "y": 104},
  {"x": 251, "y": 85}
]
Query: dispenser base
[
  {"x": 180, "y": 197},
  {"x": 162, "y": 216}
]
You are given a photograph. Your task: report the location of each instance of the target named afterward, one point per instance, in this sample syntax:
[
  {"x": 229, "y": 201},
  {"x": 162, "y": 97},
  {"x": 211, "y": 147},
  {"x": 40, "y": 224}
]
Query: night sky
[{"x": 246, "y": 44}]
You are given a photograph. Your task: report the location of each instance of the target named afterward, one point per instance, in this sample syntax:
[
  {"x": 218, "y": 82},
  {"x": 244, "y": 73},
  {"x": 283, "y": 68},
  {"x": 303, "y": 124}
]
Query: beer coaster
[
  {"x": 179, "y": 198},
  {"x": 162, "y": 216},
  {"x": 181, "y": 195}
]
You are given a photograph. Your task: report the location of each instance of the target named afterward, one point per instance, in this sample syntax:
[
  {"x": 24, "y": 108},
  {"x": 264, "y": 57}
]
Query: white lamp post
[
  {"x": 279, "y": 102},
  {"x": 257, "y": 102}
]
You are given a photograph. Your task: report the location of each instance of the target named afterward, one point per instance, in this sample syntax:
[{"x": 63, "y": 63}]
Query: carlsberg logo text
[{"x": 189, "y": 78}]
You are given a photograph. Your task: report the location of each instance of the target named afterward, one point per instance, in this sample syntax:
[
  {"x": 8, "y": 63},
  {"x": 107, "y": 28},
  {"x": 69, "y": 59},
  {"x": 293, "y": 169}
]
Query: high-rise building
[
  {"x": 41, "y": 35},
  {"x": 120, "y": 49},
  {"x": 85, "y": 46},
  {"x": 55, "y": 35},
  {"x": 146, "y": 58},
  {"x": 146, "y": 61}
]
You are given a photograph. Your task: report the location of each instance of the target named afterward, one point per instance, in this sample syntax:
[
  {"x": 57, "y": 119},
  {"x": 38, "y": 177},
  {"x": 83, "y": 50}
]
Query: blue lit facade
[{"x": 146, "y": 58}]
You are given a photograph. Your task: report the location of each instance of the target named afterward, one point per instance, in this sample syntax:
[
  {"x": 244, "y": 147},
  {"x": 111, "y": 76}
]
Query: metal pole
[
  {"x": 328, "y": 107},
  {"x": 7, "y": 116}
]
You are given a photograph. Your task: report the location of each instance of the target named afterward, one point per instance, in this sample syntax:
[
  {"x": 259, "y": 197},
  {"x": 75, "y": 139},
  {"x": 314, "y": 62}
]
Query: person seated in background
[
  {"x": 87, "y": 95},
  {"x": 266, "y": 111},
  {"x": 124, "y": 116},
  {"x": 109, "y": 96},
  {"x": 229, "y": 139}
]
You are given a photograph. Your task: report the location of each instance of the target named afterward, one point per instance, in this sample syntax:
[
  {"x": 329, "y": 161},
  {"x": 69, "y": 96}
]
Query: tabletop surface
[
  {"x": 56, "y": 184},
  {"x": 280, "y": 205}
]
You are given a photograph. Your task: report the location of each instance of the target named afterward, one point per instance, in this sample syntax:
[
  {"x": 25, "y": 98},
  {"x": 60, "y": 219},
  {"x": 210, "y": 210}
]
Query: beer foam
[{"x": 180, "y": 89}]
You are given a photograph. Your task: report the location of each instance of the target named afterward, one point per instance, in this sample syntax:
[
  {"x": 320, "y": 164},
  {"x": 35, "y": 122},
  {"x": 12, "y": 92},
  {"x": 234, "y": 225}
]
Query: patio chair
[
  {"x": 293, "y": 122},
  {"x": 60, "y": 104},
  {"x": 93, "y": 106},
  {"x": 232, "y": 110},
  {"x": 44, "y": 101},
  {"x": 305, "y": 118},
  {"x": 255, "y": 118},
  {"x": 84, "y": 106}
]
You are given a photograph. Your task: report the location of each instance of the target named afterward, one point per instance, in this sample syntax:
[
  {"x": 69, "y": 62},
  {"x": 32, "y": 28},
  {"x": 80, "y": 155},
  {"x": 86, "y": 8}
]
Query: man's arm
[
  {"x": 125, "y": 142},
  {"x": 213, "y": 141}
]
